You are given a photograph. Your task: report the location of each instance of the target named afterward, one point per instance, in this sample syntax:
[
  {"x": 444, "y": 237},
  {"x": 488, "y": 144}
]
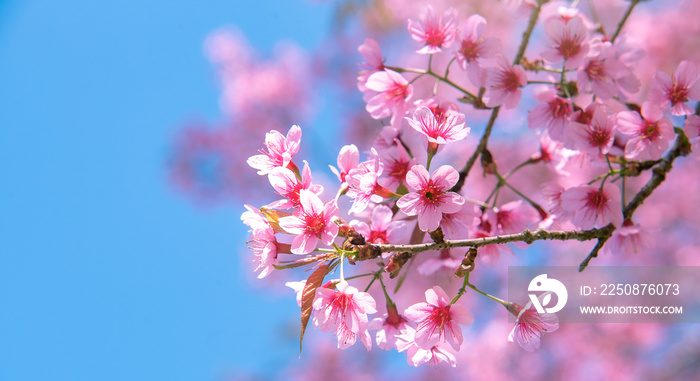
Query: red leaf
[{"x": 307, "y": 298}]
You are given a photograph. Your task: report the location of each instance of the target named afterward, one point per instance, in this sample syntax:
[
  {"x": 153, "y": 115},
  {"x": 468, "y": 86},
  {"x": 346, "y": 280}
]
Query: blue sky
[{"x": 107, "y": 273}]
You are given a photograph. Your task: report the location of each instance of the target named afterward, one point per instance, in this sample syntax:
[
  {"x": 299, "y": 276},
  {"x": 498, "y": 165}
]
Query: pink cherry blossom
[
  {"x": 531, "y": 325},
  {"x": 673, "y": 92},
  {"x": 650, "y": 134},
  {"x": 474, "y": 47},
  {"x": 430, "y": 197},
  {"x": 348, "y": 159},
  {"x": 397, "y": 162},
  {"x": 628, "y": 239},
  {"x": 490, "y": 254},
  {"x": 387, "y": 94},
  {"x": 595, "y": 137},
  {"x": 552, "y": 112},
  {"x": 604, "y": 74},
  {"x": 311, "y": 222},
  {"x": 592, "y": 206},
  {"x": 382, "y": 229},
  {"x": 456, "y": 225},
  {"x": 263, "y": 241},
  {"x": 417, "y": 356},
  {"x": 280, "y": 150},
  {"x": 567, "y": 41},
  {"x": 287, "y": 185},
  {"x": 374, "y": 61},
  {"x": 438, "y": 320},
  {"x": 511, "y": 218},
  {"x": 344, "y": 311},
  {"x": 451, "y": 129},
  {"x": 389, "y": 327},
  {"x": 692, "y": 126},
  {"x": 503, "y": 84},
  {"x": 363, "y": 186},
  {"x": 436, "y": 32}
]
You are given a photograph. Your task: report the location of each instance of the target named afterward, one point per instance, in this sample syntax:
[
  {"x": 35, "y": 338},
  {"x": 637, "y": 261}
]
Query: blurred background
[{"x": 124, "y": 127}]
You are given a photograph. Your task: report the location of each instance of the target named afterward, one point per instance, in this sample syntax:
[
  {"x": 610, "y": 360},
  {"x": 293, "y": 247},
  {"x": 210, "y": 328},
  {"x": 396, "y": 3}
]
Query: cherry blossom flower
[
  {"x": 389, "y": 327},
  {"x": 345, "y": 311},
  {"x": 438, "y": 320},
  {"x": 651, "y": 133},
  {"x": 348, "y": 159},
  {"x": 673, "y": 92},
  {"x": 436, "y": 32},
  {"x": 604, "y": 74},
  {"x": 592, "y": 206},
  {"x": 397, "y": 162},
  {"x": 263, "y": 241},
  {"x": 567, "y": 40},
  {"x": 692, "y": 128},
  {"x": 511, "y": 218},
  {"x": 630, "y": 238},
  {"x": 456, "y": 225},
  {"x": 531, "y": 325},
  {"x": 553, "y": 113},
  {"x": 453, "y": 128},
  {"x": 417, "y": 356},
  {"x": 474, "y": 47},
  {"x": 311, "y": 222},
  {"x": 363, "y": 186},
  {"x": 430, "y": 197},
  {"x": 382, "y": 229},
  {"x": 503, "y": 84},
  {"x": 595, "y": 137},
  {"x": 552, "y": 192},
  {"x": 287, "y": 185},
  {"x": 387, "y": 94},
  {"x": 280, "y": 150},
  {"x": 374, "y": 61}
]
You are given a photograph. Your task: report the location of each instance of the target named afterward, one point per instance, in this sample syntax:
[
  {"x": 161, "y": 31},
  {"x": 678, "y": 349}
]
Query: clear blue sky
[{"x": 107, "y": 273}]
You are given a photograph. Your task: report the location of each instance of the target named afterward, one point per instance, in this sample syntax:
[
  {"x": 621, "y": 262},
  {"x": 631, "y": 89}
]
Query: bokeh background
[{"x": 107, "y": 272}]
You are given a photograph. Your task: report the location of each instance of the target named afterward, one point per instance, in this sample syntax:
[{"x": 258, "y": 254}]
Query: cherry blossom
[
  {"x": 417, "y": 356},
  {"x": 344, "y": 311},
  {"x": 363, "y": 185},
  {"x": 553, "y": 113},
  {"x": 311, "y": 222},
  {"x": 595, "y": 137},
  {"x": 531, "y": 325},
  {"x": 280, "y": 150},
  {"x": 438, "y": 320},
  {"x": 604, "y": 74},
  {"x": 382, "y": 229},
  {"x": 503, "y": 84},
  {"x": 650, "y": 134},
  {"x": 630, "y": 238},
  {"x": 387, "y": 94},
  {"x": 374, "y": 61},
  {"x": 348, "y": 159},
  {"x": 430, "y": 196},
  {"x": 389, "y": 327},
  {"x": 287, "y": 185},
  {"x": 449, "y": 130},
  {"x": 474, "y": 47},
  {"x": 567, "y": 40},
  {"x": 593, "y": 206},
  {"x": 675, "y": 91},
  {"x": 436, "y": 32}
]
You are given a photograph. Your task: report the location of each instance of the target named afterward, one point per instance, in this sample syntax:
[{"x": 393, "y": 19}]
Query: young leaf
[{"x": 307, "y": 298}]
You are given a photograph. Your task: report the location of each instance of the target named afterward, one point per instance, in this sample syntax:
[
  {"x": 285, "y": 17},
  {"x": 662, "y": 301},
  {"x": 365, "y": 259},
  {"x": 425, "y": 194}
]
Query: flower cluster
[{"x": 410, "y": 194}]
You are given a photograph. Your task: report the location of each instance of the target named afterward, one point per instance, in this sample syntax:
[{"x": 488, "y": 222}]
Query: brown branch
[{"x": 494, "y": 114}]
